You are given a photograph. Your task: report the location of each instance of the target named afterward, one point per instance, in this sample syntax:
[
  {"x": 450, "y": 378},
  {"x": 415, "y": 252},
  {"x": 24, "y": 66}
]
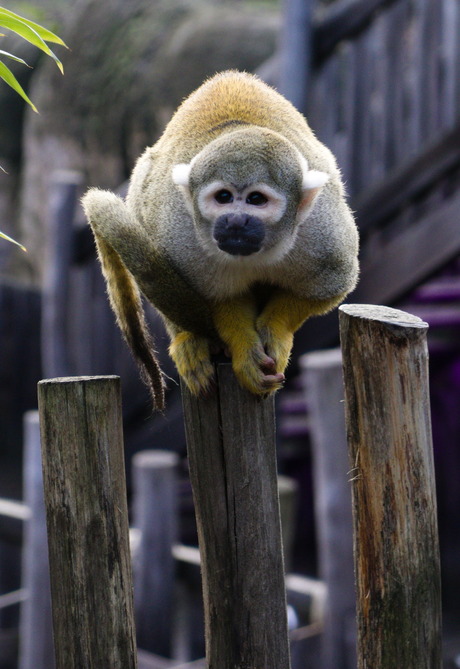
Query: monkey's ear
[
  {"x": 181, "y": 177},
  {"x": 314, "y": 179},
  {"x": 181, "y": 174},
  {"x": 312, "y": 183}
]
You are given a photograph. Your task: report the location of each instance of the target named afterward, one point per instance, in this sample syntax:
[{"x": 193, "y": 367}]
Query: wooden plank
[
  {"x": 385, "y": 360},
  {"x": 410, "y": 256},
  {"x": 409, "y": 180},
  {"x": 395, "y": 53},
  {"x": 449, "y": 65},
  {"x": 429, "y": 71},
  {"x": 87, "y": 519},
  {"x": 232, "y": 459},
  {"x": 13, "y": 598}
]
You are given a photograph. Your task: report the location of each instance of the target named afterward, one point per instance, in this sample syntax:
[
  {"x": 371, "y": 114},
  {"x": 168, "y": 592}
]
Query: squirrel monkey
[{"x": 235, "y": 228}]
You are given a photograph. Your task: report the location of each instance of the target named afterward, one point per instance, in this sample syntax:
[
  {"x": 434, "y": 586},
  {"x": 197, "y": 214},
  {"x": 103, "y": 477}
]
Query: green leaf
[
  {"x": 20, "y": 27},
  {"x": 44, "y": 33},
  {"x": 13, "y": 241},
  {"x": 13, "y": 57},
  {"x": 9, "y": 78}
]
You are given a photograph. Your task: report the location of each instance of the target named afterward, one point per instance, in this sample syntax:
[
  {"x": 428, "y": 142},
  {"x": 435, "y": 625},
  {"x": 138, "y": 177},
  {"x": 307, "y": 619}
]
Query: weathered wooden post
[
  {"x": 36, "y": 634},
  {"x": 323, "y": 383},
  {"x": 394, "y": 505},
  {"x": 232, "y": 455},
  {"x": 155, "y": 515},
  {"x": 63, "y": 200},
  {"x": 85, "y": 498}
]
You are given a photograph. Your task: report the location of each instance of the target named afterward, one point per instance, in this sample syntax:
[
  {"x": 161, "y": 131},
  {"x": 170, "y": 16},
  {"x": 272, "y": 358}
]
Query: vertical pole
[
  {"x": 323, "y": 383},
  {"x": 36, "y": 628},
  {"x": 295, "y": 50},
  {"x": 63, "y": 200},
  {"x": 396, "y": 546},
  {"x": 232, "y": 456},
  {"x": 155, "y": 515},
  {"x": 87, "y": 518}
]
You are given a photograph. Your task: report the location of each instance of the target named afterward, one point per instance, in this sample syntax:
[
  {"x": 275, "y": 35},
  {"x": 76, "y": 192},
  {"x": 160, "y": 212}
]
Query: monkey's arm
[
  {"x": 260, "y": 346},
  {"x": 152, "y": 270},
  {"x": 235, "y": 321}
]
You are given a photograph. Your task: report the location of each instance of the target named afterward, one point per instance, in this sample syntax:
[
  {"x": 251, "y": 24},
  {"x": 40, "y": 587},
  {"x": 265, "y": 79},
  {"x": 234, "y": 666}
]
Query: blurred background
[{"x": 379, "y": 81}]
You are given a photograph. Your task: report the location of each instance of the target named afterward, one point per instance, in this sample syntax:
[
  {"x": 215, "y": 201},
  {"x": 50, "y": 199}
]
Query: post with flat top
[
  {"x": 385, "y": 360},
  {"x": 232, "y": 456},
  {"x": 87, "y": 519}
]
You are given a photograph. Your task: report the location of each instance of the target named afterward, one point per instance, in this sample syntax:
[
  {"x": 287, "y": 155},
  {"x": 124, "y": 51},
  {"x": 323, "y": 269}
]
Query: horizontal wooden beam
[
  {"x": 410, "y": 180},
  {"x": 411, "y": 257}
]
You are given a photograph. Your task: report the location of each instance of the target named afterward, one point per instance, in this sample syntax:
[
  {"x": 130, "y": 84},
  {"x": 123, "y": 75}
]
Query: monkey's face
[
  {"x": 247, "y": 193},
  {"x": 240, "y": 217}
]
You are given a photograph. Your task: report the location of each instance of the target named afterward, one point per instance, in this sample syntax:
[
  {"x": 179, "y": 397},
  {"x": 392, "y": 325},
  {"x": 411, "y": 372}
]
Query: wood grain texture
[
  {"x": 85, "y": 497},
  {"x": 394, "y": 505},
  {"x": 232, "y": 456}
]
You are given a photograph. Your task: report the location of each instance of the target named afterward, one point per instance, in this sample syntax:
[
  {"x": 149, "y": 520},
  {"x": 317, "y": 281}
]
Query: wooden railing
[
  {"x": 385, "y": 83},
  {"x": 384, "y": 96}
]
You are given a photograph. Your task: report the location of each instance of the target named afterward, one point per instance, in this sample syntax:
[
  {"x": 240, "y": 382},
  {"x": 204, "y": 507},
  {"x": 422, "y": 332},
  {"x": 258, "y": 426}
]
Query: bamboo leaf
[
  {"x": 20, "y": 27},
  {"x": 44, "y": 33},
  {"x": 9, "y": 78},
  {"x": 13, "y": 241},
  {"x": 13, "y": 57}
]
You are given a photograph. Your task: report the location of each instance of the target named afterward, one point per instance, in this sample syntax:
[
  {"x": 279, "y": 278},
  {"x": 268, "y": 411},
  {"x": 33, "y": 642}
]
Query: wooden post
[
  {"x": 394, "y": 505},
  {"x": 232, "y": 456},
  {"x": 295, "y": 52},
  {"x": 63, "y": 200},
  {"x": 155, "y": 515},
  {"x": 322, "y": 380},
  {"x": 85, "y": 498},
  {"x": 36, "y": 649}
]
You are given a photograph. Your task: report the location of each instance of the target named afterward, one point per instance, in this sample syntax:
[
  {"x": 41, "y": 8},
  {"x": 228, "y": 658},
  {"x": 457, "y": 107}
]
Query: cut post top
[{"x": 383, "y": 315}]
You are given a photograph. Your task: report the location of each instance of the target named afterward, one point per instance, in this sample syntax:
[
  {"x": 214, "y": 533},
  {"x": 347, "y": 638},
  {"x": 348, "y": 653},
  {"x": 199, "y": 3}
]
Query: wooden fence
[
  {"x": 232, "y": 460},
  {"x": 383, "y": 92}
]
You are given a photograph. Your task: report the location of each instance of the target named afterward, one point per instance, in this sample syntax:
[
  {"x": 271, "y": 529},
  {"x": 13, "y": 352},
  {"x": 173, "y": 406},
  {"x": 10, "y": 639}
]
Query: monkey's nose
[
  {"x": 239, "y": 234},
  {"x": 237, "y": 221}
]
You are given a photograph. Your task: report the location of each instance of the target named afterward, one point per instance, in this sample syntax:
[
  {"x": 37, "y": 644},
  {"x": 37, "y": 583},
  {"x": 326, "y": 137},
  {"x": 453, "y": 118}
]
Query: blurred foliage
[
  {"x": 39, "y": 37},
  {"x": 32, "y": 32}
]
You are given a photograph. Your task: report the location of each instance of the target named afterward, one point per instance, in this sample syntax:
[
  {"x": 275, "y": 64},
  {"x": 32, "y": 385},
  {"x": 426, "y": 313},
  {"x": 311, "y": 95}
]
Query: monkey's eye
[
  {"x": 257, "y": 199},
  {"x": 223, "y": 196}
]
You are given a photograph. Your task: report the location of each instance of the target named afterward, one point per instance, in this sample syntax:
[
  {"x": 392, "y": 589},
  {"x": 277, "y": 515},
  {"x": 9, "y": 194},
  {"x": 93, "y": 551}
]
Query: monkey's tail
[{"x": 126, "y": 303}]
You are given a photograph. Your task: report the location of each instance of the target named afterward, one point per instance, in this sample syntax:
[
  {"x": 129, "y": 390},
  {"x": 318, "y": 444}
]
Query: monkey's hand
[
  {"x": 282, "y": 316},
  {"x": 192, "y": 358},
  {"x": 255, "y": 370}
]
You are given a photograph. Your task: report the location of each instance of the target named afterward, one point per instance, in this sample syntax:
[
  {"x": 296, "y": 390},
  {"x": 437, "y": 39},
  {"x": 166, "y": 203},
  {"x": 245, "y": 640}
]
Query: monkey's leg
[
  {"x": 282, "y": 316},
  {"x": 192, "y": 358},
  {"x": 235, "y": 322}
]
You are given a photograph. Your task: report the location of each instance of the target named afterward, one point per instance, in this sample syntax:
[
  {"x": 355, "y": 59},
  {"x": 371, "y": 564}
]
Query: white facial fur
[{"x": 269, "y": 212}]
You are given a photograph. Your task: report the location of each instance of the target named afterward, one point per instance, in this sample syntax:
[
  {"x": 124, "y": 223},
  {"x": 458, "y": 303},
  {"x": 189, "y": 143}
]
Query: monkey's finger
[
  {"x": 268, "y": 365},
  {"x": 273, "y": 381}
]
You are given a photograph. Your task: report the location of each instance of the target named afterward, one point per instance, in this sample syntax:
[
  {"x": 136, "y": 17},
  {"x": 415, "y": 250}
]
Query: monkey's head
[{"x": 248, "y": 191}]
